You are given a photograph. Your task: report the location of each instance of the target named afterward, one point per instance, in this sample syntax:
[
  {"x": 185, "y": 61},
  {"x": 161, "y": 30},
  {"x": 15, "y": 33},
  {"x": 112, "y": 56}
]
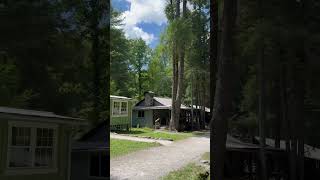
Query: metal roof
[
  {"x": 234, "y": 143},
  {"x": 26, "y": 112},
  {"x": 119, "y": 97},
  {"x": 168, "y": 102},
  {"x": 199, "y": 107},
  {"x": 310, "y": 152}
]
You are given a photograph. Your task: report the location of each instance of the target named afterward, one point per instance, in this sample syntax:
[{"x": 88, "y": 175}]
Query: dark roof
[
  {"x": 33, "y": 113},
  {"x": 236, "y": 144},
  {"x": 310, "y": 152},
  {"x": 87, "y": 146},
  {"x": 97, "y": 134},
  {"x": 94, "y": 139}
]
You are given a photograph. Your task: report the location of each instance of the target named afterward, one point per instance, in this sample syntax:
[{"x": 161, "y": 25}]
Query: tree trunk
[
  {"x": 175, "y": 59},
  {"x": 198, "y": 102},
  {"x": 139, "y": 83},
  {"x": 180, "y": 83},
  {"x": 224, "y": 92},
  {"x": 262, "y": 98},
  {"x": 213, "y": 49},
  {"x": 95, "y": 58},
  {"x": 192, "y": 116},
  {"x": 203, "y": 104}
]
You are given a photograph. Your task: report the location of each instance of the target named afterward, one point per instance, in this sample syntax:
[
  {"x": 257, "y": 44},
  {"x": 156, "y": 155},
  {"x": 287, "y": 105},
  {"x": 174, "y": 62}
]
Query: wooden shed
[{"x": 121, "y": 112}]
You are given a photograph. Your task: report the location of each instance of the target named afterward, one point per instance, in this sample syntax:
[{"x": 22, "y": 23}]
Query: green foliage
[{"x": 159, "y": 73}]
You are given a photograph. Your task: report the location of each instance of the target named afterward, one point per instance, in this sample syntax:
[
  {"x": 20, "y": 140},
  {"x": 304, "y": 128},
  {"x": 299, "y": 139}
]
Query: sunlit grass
[
  {"x": 191, "y": 172},
  {"x": 121, "y": 147},
  {"x": 147, "y": 132}
]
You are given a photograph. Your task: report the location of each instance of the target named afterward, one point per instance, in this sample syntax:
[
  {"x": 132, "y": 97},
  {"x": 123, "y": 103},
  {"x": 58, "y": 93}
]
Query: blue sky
[{"x": 142, "y": 19}]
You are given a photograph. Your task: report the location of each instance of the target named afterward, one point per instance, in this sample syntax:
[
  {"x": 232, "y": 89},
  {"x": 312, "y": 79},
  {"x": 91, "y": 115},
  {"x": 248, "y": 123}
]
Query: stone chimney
[{"x": 148, "y": 97}]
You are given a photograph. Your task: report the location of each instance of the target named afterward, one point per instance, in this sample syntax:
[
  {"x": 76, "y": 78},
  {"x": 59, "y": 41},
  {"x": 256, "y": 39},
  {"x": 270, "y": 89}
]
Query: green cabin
[
  {"x": 121, "y": 112},
  {"x": 35, "y": 145}
]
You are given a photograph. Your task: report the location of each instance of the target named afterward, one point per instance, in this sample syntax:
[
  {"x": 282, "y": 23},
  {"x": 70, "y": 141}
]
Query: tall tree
[
  {"x": 224, "y": 93},
  {"x": 139, "y": 58},
  {"x": 175, "y": 58},
  {"x": 262, "y": 95}
]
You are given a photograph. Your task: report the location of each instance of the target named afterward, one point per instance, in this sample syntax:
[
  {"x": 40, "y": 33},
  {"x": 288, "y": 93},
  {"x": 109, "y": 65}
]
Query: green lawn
[
  {"x": 147, "y": 132},
  {"x": 121, "y": 147},
  {"x": 191, "y": 172}
]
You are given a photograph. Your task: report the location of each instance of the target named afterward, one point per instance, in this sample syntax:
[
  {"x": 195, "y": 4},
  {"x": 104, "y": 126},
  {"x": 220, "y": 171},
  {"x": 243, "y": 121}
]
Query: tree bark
[
  {"x": 262, "y": 97},
  {"x": 192, "y": 116},
  {"x": 175, "y": 58},
  {"x": 213, "y": 49},
  {"x": 224, "y": 93},
  {"x": 95, "y": 58},
  {"x": 180, "y": 71}
]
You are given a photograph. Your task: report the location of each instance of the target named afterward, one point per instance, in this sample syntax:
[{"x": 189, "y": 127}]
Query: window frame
[
  {"x": 139, "y": 113},
  {"x": 120, "y": 112},
  {"x": 33, "y": 140}
]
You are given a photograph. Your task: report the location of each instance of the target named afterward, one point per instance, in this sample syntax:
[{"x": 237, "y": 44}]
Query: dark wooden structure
[{"x": 242, "y": 161}]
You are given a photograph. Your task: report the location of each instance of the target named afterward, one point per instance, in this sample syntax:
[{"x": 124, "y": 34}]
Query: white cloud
[
  {"x": 143, "y": 11},
  {"x": 134, "y": 32}
]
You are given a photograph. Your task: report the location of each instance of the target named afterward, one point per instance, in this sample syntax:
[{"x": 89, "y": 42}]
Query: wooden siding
[
  {"x": 121, "y": 122},
  {"x": 147, "y": 121}
]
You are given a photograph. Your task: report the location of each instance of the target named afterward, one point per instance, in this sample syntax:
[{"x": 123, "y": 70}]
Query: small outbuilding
[{"x": 120, "y": 112}]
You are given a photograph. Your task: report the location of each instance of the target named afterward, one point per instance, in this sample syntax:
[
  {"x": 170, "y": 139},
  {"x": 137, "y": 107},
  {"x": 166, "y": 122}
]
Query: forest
[
  {"x": 54, "y": 57},
  {"x": 254, "y": 63}
]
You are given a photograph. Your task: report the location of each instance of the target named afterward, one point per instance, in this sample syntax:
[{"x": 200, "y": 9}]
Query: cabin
[
  {"x": 121, "y": 112},
  {"x": 35, "y": 145},
  {"x": 90, "y": 155},
  {"x": 151, "y": 108}
]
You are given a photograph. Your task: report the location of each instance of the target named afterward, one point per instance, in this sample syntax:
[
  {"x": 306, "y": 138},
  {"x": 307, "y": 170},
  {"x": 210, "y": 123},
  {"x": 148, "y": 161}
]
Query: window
[
  {"x": 31, "y": 147},
  {"x": 120, "y": 108},
  {"x": 98, "y": 164},
  {"x": 20, "y": 149},
  {"x": 116, "y": 108},
  {"x": 44, "y": 148},
  {"x": 124, "y": 108},
  {"x": 140, "y": 114}
]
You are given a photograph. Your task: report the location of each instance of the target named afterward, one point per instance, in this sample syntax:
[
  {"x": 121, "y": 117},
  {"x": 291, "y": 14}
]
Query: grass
[
  {"x": 206, "y": 156},
  {"x": 191, "y": 172},
  {"x": 121, "y": 147},
  {"x": 147, "y": 132}
]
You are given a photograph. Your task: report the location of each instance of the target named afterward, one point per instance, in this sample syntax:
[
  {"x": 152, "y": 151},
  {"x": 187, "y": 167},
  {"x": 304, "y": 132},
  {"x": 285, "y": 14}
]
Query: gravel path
[
  {"x": 126, "y": 137},
  {"x": 153, "y": 163}
]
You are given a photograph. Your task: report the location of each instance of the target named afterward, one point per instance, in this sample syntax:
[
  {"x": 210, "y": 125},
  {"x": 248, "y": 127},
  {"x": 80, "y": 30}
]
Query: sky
[{"x": 144, "y": 19}]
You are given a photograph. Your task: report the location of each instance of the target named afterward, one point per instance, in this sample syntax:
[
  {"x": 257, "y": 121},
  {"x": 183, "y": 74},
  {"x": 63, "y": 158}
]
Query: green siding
[
  {"x": 62, "y": 156},
  {"x": 121, "y": 122}
]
